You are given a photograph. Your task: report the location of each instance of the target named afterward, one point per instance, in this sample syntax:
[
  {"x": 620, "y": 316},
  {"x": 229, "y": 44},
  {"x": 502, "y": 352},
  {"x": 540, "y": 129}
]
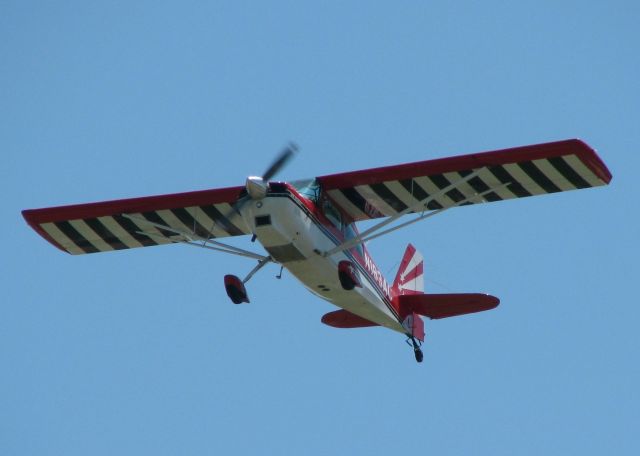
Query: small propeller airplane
[{"x": 309, "y": 226}]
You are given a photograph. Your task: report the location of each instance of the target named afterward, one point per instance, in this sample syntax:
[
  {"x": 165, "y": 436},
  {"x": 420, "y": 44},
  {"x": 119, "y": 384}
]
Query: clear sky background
[{"x": 141, "y": 352}]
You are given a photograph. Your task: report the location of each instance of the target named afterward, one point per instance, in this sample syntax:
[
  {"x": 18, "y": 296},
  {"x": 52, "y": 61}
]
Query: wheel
[
  {"x": 235, "y": 295},
  {"x": 235, "y": 289},
  {"x": 347, "y": 275},
  {"x": 418, "y": 354},
  {"x": 346, "y": 282}
]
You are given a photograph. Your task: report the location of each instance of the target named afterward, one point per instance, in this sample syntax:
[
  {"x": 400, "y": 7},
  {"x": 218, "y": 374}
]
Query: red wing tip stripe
[
  {"x": 38, "y": 229},
  {"x": 595, "y": 164}
]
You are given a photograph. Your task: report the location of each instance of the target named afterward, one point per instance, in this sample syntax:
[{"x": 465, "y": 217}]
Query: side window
[
  {"x": 332, "y": 213},
  {"x": 348, "y": 229},
  {"x": 350, "y": 233}
]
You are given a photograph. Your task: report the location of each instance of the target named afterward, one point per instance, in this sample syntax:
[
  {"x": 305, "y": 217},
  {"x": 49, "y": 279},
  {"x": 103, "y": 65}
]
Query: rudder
[{"x": 410, "y": 277}]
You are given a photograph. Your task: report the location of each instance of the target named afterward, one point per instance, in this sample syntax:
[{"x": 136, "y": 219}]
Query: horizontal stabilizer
[
  {"x": 447, "y": 305},
  {"x": 345, "y": 319}
]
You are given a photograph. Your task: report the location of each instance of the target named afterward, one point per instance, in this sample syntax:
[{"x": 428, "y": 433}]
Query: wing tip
[
  {"x": 492, "y": 301},
  {"x": 591, "y": 159},
  {"x": 30, "y": 216}
]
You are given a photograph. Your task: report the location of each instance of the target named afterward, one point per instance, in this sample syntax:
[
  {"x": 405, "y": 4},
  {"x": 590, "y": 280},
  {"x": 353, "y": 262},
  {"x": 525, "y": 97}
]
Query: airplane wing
[
  {"x": 138, "y": 222},
  {"x": 498, "y": 175}
]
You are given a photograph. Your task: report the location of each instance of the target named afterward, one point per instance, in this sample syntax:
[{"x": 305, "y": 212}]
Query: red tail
[
  {"x": 409, "y": 281},
  {"x": 411, "y": 302},
  {"x": 410, "y": 277}
]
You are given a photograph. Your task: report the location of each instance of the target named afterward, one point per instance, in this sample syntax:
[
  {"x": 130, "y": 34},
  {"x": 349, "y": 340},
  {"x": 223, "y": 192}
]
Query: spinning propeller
[{"x": 257, "y": 186}]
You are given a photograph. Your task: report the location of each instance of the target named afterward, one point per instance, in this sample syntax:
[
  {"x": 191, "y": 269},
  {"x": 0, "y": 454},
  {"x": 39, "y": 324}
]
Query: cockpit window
[
  {"x": 348, "y": 229},
  {"x": 309, "y": 188},
  {"x": 332, "y": 213},
  {"x": 350, "y": 233}
]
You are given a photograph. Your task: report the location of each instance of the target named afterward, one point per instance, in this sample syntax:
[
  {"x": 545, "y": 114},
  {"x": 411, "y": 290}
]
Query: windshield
[{"x": 309, "y": 188}]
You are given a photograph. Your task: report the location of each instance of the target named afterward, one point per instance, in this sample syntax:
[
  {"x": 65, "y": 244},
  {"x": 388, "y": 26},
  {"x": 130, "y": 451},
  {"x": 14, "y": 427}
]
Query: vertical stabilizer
[{"x": 410, "y": 277}]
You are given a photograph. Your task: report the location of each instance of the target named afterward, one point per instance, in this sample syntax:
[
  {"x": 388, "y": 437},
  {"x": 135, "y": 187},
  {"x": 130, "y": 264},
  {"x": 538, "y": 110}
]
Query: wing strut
[
  {"x": 372, "y": 233},
  {"x": 191, "y": 238},
  {"x": 418, "y": 207}
]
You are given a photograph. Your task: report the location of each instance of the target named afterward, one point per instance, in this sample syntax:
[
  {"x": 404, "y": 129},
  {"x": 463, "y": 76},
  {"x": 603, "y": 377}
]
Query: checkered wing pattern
[
  {"x": 139, "y": 222},
  {"x": 497, "y": 175}
]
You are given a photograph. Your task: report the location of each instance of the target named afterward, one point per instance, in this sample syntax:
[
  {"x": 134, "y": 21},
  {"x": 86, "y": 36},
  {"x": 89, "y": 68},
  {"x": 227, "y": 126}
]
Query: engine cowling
[{"x": 256, "y": 187}]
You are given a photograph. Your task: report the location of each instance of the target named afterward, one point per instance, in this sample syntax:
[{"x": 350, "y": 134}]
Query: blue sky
[{"x": 140, "y": 352}]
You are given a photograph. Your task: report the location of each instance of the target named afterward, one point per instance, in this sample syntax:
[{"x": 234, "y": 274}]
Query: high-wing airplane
[{"x": 309, "y": 227}]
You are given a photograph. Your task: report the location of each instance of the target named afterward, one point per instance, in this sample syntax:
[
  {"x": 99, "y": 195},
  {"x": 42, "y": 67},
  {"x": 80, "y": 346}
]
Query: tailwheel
[{"x": 417, "y": 351}]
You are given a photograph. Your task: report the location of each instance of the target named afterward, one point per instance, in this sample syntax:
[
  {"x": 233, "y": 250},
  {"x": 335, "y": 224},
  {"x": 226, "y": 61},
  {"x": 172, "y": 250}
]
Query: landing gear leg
[
  {"x": 259, "y": 266},
  {"x": 235, "y": 287}
]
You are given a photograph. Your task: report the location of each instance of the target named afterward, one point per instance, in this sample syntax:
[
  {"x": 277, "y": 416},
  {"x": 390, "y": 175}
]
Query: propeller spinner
[{"x": 257, "y": 185}]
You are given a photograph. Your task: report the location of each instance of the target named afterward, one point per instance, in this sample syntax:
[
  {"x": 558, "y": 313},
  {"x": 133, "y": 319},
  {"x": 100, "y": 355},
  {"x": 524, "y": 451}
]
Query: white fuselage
[{"x": 295, "y": 237}]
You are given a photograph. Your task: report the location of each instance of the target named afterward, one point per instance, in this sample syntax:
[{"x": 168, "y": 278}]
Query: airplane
[{"x": 309, "y": 226}]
